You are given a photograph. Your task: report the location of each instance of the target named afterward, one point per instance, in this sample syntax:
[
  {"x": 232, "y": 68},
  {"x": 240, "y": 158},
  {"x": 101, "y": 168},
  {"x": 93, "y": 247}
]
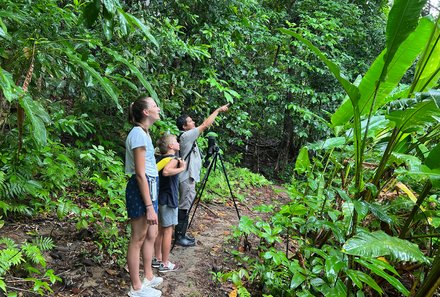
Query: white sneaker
[
  {"x": 169, "y": 267},
  {"x": 153, "y": 283},
  {"x": 145, "y": 292}
]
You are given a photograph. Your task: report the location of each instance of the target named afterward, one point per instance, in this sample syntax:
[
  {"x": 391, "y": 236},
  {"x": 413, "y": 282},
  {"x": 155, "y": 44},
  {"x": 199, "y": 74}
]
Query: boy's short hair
[
  {"x": 181, "y": 121},
  {"x": 164, "y": 141}
]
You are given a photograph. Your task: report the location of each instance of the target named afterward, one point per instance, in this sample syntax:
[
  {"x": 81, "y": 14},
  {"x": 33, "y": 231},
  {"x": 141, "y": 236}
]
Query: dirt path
[{"x": 82, "y": 276}]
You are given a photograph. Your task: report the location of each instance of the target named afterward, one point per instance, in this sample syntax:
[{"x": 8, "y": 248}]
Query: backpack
[{"x": 164, "y": 161}]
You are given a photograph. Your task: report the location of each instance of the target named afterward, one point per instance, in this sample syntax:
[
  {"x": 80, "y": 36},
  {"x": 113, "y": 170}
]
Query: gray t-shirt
[
  {"x": 194, "y": 160},
  {"x": 137, "y": 138}
]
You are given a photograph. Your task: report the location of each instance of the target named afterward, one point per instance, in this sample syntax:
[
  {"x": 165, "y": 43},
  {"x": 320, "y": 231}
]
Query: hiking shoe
[
  {"x": 153, "y": 283},
  {"x": 155, "y": 263},
  {"x": 183, "y": 241},
  {"x": 168, "y": 268},
  {"x": 145, "y": 292}
]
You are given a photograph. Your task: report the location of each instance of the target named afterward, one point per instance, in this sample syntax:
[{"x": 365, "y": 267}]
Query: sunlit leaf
[{"x": 378, "y": 243}]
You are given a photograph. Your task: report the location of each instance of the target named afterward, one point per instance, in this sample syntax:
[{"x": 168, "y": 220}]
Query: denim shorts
[{"x": 133, "y": 199}]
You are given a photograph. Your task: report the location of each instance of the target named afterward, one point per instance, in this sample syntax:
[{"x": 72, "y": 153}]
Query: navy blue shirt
[{"x": 168, "y": 187}]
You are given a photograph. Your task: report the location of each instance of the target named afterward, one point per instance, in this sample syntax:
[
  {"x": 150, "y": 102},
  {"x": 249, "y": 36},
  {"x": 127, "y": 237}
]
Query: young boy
[{"x": 168, "y": 200}]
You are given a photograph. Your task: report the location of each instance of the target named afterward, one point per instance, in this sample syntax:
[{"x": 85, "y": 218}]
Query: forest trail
[{"x": 86, "y": 275}]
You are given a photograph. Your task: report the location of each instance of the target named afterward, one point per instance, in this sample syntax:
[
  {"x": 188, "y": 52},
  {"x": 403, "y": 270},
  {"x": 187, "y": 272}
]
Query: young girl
[{"x": 141, "y": 196}]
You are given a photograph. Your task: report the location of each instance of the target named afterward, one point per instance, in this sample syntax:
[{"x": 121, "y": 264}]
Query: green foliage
[
  {"x": 28, "y": 256},
  {"x": 329, "y": 240},
  {"x": 240, "y": 180},
  {"x": 376, "y": 244}
]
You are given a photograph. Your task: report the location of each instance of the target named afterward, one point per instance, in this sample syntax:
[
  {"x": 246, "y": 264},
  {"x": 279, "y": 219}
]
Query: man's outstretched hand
[{"x": 224, "y": 108}]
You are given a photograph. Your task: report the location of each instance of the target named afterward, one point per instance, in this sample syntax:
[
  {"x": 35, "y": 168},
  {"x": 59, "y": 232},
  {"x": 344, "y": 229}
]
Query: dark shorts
[{"x": 133, "y": 199}]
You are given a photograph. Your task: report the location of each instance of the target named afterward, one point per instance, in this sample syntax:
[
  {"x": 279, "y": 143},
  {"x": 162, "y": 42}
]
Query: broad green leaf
[
  {"x": 124, "y": 81},
  {"x": 104, "y": 82},
  {"x": 402, "y": 20},
  {"x": 135, "y": 71},
  {"x": 91, "y": 12},
  {"x": 131, "y": 19},
  {"x": 380, "y": 212},
  {"x": 433, "y": 159},
  {"x": 228, "y": 97},
  {"x": 328, "y": 143},
  {"x": 424, "y": 171},
  {"x": 38, "y": 128},
  {"x": 378, "y": 243},
  {"x": 297, "y": 280},
  {"x": 403, "y": 59},
  {"x": 4, "y": 31},
  {"x": 122, "y": 23},
  {"x": 2, "y": 285},
  {"x": 427, "y": 69},
  {"x": 380, "y": 272},
  {"x": 302, "y": 163},
  {"x": 110, "y": 5},
  {"x": 107, "y": 27},
  {"x": 415, "y": 116},
  {"x": 333, "y": 264},
  {"x": 339, "y": 290},
  {"x": 7, "y": 85},
  {"x": 358, "y": 277}
]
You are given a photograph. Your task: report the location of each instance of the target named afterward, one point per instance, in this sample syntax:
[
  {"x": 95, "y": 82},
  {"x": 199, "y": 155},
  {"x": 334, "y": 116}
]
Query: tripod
[{"x": 215, "y": 156}]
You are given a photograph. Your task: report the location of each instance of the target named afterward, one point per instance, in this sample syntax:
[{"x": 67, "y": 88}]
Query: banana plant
[{"x": 409, "y": 39}]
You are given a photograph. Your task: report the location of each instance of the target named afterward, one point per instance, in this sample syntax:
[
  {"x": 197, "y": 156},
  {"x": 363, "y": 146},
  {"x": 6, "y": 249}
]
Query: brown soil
[{"x": 86, "y": 275}]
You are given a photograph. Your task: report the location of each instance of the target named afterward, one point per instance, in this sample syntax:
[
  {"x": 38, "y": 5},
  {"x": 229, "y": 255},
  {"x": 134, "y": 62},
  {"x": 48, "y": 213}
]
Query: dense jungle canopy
[{"x": 338, "y": 100}]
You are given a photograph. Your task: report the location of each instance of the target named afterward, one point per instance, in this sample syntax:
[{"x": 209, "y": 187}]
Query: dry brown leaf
[{"x": 111, "y": 272}]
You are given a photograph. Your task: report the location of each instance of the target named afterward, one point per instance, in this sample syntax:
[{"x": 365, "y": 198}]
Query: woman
[{"x": 141, "y": 196}]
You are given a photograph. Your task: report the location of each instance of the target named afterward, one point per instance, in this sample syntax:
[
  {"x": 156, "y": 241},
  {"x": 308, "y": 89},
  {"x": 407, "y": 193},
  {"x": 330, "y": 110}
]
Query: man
[{"x": 188, "y": 178}]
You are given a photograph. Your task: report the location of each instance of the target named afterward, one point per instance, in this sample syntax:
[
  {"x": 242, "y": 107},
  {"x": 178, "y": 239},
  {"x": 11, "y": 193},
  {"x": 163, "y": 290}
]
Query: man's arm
[{"x": 209, "y": 120}]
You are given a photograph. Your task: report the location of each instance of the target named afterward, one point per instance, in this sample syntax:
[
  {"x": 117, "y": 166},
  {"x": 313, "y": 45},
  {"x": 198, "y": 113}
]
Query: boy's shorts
[
  {"x": 133, "y": 199},
  {"x": 167, "y": 215}
]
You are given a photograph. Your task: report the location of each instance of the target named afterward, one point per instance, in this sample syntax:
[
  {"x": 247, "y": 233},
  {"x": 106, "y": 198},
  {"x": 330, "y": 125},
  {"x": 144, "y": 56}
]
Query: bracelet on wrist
[{"x": 148, "y": 205}]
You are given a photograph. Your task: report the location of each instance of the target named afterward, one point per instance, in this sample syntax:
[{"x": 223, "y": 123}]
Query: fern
[
  {"x": 9, "y": 257},
  {"x": 44, "y": 243},
  {"x": 34, "y": 254}
]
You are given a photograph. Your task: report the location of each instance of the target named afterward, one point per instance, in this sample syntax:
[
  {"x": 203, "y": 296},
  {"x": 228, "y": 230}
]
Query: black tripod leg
[
  {"x": 230, "y": 189},
  {"x": 200, "y": 191},
  {"x": 247, "y": 245}
]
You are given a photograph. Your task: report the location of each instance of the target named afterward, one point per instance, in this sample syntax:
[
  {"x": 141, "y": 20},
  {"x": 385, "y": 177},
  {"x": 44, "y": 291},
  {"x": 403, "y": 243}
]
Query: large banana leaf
[
  {"x": 424, "y": 171},
  {"x": 433, "y": 159},
  {"x": 415, "y": 116},
  {"x": 405, "y": 56},
  {"x": 378, "y": 243},
  {"x": 402, "y": 20},
  {"x": 428, "y": 67}
]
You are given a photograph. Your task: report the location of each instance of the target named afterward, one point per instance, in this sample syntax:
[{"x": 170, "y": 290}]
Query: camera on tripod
[{"x": 212, "y": 148}]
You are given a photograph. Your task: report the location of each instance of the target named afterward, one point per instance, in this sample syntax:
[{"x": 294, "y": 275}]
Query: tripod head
[{"x": 212, "y": 148}]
